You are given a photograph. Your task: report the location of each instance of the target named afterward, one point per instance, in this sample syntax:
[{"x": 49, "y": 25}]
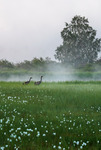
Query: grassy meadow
[{"x": 51, "y": 116}]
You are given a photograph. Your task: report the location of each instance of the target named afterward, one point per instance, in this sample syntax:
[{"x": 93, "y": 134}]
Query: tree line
[
  {"x": 36, "y": 64},
  {"x": 43, "y": 65}
]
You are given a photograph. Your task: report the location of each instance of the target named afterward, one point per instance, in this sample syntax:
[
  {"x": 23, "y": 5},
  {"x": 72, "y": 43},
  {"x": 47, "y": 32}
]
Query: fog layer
[{"x": 55, "y": 74}]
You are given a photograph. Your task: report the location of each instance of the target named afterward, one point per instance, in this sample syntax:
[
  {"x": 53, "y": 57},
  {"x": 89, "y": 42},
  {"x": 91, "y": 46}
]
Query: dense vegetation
[
  {"x": 80, "y": 45},
  {"x": 64, "y": 115},
  {"x": 36, "y": 64}
]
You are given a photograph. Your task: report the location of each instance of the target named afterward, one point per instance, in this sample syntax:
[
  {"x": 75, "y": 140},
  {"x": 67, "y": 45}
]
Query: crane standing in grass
[
  {"x": 27, "y": 82},
  {"x": 38, "y": 82}
]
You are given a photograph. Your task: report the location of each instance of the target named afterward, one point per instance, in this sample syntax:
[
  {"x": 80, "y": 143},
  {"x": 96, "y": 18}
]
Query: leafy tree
[
  {"x": 6, "y": 64},
  {"x": 24, "y": 65},
  {"x": 80, "y": 47},
  {"x": 38, "y": 61}
]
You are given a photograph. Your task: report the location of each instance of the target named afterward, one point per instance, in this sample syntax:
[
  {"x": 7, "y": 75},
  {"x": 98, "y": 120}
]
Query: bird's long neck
[{"x": 41, "y": 79}]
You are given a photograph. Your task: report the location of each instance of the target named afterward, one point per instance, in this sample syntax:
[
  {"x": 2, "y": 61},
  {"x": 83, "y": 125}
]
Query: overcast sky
[{"x": 31, "y": 28}]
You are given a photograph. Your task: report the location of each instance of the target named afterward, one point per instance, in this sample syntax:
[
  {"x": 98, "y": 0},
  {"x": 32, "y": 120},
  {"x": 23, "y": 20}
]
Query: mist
[
  {"x": 58, "y": 73},
  {"x": 54, "y": 74}
]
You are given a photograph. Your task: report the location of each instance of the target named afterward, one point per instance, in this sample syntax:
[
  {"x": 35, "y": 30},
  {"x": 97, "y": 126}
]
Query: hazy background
[{"x": 31, "y": 28}]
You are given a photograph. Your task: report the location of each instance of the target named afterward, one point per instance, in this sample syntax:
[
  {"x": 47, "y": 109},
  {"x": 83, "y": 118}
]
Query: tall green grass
[{"x": 63, "y": 115}]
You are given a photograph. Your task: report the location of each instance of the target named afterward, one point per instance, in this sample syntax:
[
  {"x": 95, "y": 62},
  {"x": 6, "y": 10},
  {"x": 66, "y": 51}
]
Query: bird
[
  {"x": 38, "y": 82},
  {"x": 27, "y": 82}
]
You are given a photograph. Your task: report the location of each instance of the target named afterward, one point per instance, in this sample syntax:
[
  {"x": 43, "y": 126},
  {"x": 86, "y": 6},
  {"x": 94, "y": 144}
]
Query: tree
[
  {"x": 80, "y": 47},
  {"x": 6, "y": 64}
]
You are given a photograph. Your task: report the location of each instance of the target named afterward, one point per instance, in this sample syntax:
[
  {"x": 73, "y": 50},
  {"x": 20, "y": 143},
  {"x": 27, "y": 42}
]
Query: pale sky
[{"x": 31, "y": 28}]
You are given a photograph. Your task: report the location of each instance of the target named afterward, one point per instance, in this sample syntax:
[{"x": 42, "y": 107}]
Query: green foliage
[
  {"x": 80, "y": 45},
  {"x": 6, "y": 64},
  {"x": 36, "y": 64}
]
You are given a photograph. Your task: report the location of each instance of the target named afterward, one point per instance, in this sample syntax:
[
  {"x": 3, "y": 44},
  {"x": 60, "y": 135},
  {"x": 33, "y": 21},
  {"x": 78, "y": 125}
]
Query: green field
[{"x": 51, "y": 116}]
